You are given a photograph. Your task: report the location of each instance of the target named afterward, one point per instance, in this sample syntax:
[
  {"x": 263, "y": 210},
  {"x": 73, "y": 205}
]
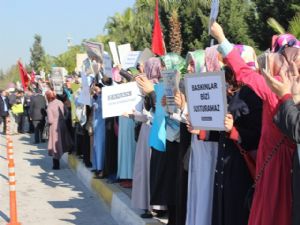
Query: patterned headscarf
[
  {"x": 198, "y": 57},
  {"x": 173, "y": 61},
  {"x": 152, "y": 69},
  {"x": 285, "y": 40}
]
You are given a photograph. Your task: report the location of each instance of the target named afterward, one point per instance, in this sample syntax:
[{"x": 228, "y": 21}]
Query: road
[{"x": 45, "y": 196}]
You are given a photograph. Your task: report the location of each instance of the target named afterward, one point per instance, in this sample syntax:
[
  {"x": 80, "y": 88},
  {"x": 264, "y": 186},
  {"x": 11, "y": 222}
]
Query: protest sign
[
  {"x": 84, "y": 96},
  {"x": 94, "y": 50},
  {"x": 57, "y": 79},
  {"x": 214, "y": 11},
  {"x": 145, "y": 55},
  {"x": 131, "y": 59},
  {"x": 120, "y": 99},
  {"x": 114, "y": 52},
  {"x": 107, "y": 64},
  {"x": 123, "y": 52},
  {"x": 171, "y": 85},
  {"x": 206, "y": 98}
]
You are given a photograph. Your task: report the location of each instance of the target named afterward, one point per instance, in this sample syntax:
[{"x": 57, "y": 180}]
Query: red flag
[
  {"x": 23, "y": 76},
  {"x": 32, "y": 76},
  {"x": 158, "y": 45}
]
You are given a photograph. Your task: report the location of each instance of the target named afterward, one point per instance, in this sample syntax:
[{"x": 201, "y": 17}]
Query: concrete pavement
[{"x": 45, "y": 196}]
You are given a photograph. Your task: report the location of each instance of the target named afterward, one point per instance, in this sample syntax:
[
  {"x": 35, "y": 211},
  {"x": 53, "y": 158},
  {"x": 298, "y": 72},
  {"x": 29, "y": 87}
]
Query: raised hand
[
  {"x": 228, "y": 122},
  {"x": 217, "y": 32}
]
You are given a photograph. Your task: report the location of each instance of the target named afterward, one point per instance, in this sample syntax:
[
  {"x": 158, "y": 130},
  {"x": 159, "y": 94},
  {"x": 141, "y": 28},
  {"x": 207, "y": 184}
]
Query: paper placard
[
  {"x": 94, "y": 49},
  {"x": 207, "y": 101},
  {"x": 57, "y": 79},
  {"x": 107, "y": 64},
  {"x": 214, "y": 11},
  {"x": 84, "y": 96},
  {"x": 120, "y": 99},
  {"x": 123, "y": 52},
  {"x": 171, "y": 85},
  {"x": 131, "y": 59},
  {"x": 114, "y": 52}
]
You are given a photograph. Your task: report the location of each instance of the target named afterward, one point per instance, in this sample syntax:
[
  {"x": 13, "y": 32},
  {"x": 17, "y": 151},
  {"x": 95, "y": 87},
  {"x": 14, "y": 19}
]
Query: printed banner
[
  {"x": 120, "y": 99},
  {"x": 207, "y": 101}
]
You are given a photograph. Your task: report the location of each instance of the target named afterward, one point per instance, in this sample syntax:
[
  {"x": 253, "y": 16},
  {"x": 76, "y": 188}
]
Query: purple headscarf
[{"x": 152, "y": 69}]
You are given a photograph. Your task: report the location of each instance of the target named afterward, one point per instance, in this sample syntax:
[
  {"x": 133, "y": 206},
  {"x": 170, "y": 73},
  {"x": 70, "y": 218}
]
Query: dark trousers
[
  {"x": 21, "y": 121},
  {"x": 3, "y": 120},
  {"x": 38, "y": 130}
]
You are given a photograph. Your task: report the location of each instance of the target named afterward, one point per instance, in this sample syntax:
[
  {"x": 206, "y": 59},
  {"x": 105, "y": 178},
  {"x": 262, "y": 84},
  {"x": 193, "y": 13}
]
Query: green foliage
[
  {"x": 68, "y": 58},
  {"x": 37, "y": 53},
  {"x": 12, "y": 75},
  {"x": 294, "y": 26},
  {"x": 261, "y": 10}
]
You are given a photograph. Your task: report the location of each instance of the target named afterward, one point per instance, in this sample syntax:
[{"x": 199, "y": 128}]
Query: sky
[{"x": 54, "y": 20}]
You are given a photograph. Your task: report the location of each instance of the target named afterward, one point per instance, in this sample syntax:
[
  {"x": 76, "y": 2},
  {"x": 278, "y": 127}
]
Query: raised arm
[{"x": 242, "y": 71}]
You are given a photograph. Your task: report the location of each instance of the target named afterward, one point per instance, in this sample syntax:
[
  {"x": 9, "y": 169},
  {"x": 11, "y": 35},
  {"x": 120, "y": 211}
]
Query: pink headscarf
[{"x": 283, "y": 40}]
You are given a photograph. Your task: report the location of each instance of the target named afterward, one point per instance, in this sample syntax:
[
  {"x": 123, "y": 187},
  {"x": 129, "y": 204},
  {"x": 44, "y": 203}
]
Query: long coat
[
  {"x": 232, "y": 177},
  {"x": 287, "y": 120},
  {"x": 59, "y": 138},
  {"x": 272, "y": 202}
]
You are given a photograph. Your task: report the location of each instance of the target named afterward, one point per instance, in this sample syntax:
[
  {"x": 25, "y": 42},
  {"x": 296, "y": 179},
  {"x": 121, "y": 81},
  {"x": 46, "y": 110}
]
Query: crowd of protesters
[{"x": 247, "y": 174}]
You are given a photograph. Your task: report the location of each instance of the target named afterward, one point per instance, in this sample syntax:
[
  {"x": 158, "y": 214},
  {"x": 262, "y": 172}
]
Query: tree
[
  {"x": 68, "y": 58},
  {"x": 37, "y": 53},
  {"x": 261, "y": 10}
]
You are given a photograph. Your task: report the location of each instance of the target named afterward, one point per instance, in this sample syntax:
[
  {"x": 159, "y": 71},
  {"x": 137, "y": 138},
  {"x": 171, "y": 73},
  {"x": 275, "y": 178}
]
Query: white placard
[
  {"x": 131, "y": 59},
  {"x": 107, "y": 64},
  {"x": 57, "y": 79},
  {"x": 214, "y": 11},
  {"x": 85, "y": 96},
  {"x": 207, "y": 101},
  {"x": 94, "y": 49},
  {"x": 123, "y": 52},
  {"x": 114, "y": 52},
  {"x": 171, "y": 85},
  {"x": 120, "y": 99}
]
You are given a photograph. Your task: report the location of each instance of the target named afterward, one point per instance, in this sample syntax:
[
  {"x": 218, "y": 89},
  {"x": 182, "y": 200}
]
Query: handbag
[
  {"x": 250, "y": 193},
  {"x": 45, "y": 134}
]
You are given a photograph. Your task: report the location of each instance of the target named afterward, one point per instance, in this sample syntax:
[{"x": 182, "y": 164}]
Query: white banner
[
  {"x": 131, "y": 59},
  {"x": 120, "y": 99},
  {"x": 123, "y": 52},
  {"x": 207, "y": 101},
  {"x": 114, "y": 52}
]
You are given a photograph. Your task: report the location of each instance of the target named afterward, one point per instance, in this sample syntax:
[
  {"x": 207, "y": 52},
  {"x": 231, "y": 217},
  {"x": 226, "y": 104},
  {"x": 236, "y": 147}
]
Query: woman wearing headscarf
[
  {"x": 242, "y": 133},
  {"x": 99, "y": 133},
  {"x": 157, "y": 141},
  {"x": 272, "y": 202},
  {"x": 59, "y": 138},
  {"x": 172, "y": 61},
  {"x": 287, "y": 120},
  {"x": 140, "y": 196},
  {"x": 202, "y": 163},
  {"x": 126, "y": 150}
]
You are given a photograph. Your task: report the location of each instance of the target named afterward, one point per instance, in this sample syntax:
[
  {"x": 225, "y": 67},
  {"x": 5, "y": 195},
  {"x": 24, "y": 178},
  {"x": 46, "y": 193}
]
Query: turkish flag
[
  {"x": 158, "y": 44},
  {"x": 23, "y": 76}
]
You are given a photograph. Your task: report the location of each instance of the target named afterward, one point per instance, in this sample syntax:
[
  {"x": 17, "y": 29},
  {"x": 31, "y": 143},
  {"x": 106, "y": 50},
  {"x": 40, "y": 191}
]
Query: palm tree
[{"x": 294, "y": 26}]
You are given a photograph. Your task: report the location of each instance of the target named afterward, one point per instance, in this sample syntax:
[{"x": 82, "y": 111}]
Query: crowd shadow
[{"x": 62, "y": 178}]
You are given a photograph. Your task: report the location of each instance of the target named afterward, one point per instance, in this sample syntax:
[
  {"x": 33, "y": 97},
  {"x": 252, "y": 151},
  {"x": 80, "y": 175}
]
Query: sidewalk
[
  {"x": 117, "y": 200},
  {"x": 45, "y": 196}
]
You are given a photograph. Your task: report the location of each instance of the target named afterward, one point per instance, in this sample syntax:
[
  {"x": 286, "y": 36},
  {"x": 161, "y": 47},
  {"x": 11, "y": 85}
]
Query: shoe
[
  {"x": 146, "y": 215},
  {"x": 88, "y": 165},
  {"x": 126, "y": 184},
  {"x": 56, "y": 165}
]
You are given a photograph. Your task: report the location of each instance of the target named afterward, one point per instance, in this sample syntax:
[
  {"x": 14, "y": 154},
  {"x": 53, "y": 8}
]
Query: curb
[{"x": 119, "y": 203}]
